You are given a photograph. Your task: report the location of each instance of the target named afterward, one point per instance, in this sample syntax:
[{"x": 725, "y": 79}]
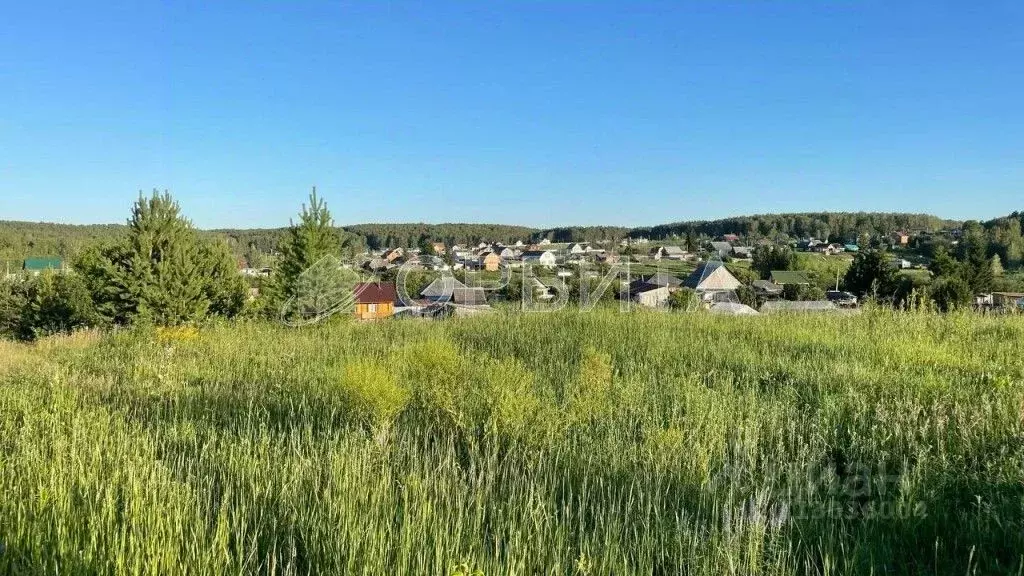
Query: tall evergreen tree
[
  {"x": 306, "y": 243},
  {"x": 161, "y": 272},
  {"x": 310, "y": 282}
]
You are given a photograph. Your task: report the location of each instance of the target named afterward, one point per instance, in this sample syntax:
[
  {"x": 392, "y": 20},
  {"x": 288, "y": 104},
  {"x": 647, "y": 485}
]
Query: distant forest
[{"x": 19, "y": 240}]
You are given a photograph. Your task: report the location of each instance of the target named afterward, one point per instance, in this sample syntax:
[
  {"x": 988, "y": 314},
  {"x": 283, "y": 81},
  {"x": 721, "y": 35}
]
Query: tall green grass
[{"x": 573, "y": 443}]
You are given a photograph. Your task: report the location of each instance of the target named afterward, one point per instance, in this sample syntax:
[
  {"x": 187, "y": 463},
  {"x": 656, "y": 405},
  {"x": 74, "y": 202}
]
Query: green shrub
[{"x": 372, "y": 394}]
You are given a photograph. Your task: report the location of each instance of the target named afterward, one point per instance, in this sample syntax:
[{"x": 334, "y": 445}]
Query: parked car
[{"x": 841, "y": 298}]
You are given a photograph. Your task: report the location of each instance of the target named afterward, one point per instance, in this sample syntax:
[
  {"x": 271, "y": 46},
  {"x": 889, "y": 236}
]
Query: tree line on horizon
[{"x": 20, "y": 240}]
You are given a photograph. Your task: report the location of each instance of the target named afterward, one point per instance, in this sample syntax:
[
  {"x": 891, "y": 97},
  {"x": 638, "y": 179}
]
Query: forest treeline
[{"x": 19, "y": 240}]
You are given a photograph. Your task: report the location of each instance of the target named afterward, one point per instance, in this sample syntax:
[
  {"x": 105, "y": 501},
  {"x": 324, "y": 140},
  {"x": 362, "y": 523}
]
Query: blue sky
[{"x": 536, "y": 113}]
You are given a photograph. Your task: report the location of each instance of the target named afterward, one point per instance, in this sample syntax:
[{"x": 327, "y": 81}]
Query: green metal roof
[{"x": 40, "y": 264}]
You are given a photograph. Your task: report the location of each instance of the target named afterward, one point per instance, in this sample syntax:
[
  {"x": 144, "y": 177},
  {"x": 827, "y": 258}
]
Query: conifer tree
[
  {"x": 162, "y": 271},
  {"x": 306, "y": 243},
  {"x": 310, "y": 282}
]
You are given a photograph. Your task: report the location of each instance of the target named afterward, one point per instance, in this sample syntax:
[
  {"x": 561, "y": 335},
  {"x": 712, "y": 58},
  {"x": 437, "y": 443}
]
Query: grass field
[{"x": 573, "y": 443}]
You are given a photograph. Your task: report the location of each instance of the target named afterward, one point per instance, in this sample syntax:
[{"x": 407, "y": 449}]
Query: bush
[
  {"x": 951, "y": 294},
  {"x": 683, "y": 300},
  {"x": 372, "y": 394},
  {"x": 55, "y": 304},
  {"x": 12, "y": 307}
]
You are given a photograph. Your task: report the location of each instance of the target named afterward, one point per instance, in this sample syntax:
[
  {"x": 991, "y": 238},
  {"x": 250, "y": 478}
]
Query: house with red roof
[{"x": 375, "y": 300}]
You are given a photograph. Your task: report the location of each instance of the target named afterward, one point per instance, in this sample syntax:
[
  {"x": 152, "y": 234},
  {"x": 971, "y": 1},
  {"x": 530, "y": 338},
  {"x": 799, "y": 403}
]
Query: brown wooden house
[
  {"x": 490, "y": 261},
  {"x": 375, "y": 300}
]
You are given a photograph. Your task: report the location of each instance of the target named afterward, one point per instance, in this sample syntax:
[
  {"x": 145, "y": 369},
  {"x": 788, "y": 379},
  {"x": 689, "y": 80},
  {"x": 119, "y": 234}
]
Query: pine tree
[
  {"x": 161, "y": 272},
  {"x": 306, "y": 243},
  {"x": 310, "y": 283}
]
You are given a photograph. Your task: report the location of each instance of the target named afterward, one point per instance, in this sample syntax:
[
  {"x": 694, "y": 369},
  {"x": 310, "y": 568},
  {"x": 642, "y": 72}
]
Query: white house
[{"x": 540, "y": 258}]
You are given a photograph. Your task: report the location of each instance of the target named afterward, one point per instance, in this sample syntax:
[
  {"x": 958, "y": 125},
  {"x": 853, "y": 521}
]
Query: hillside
[{"x": 881, "y": 443}]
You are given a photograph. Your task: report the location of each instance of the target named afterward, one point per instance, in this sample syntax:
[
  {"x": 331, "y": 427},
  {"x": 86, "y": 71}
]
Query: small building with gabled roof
[
  {"x": 374, "y": 300},
  {"x": 442, "y": 288}
]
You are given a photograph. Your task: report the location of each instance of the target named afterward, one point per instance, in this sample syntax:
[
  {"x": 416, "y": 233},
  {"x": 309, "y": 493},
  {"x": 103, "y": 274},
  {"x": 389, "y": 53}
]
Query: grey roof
[
  {"x": 767, "y": 286},
  {"x": 734, "y": 308},
  {"x": 470, "y": 296},
  {"x": 799, "y": 306},
  {"x": 711, "y": 275},
  {"x": 722, "y": 248},
  {"x": 641, "y": 287},
  {"x": 441, "y": 286},
  {"x": 662, "y": 279}
]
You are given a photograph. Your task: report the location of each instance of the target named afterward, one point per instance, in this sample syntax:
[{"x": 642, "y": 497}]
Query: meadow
[{"x": 567, "y": 443}]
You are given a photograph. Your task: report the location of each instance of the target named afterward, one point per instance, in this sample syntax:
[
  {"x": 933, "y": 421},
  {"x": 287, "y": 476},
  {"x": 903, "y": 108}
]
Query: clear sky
[{"x": 536, "y": 113}]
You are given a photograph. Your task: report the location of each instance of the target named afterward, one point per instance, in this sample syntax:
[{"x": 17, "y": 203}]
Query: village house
[
  {"x": 608, "y": 258},
  {"x": 394, "y": 254},
  {"x": 711, "y": 280},
  {"x": 439, "y": 248},
  {"x": 1008, "y": 300},
  {"x": 374, "y": 300},
  {"x": 540, "y": 258},
  {"x": 467, "y": 296},
  {"x": 490, "y": 261},
  {"x": 899, "y": 238},
  {"x": 377, "y": 264},
  {"x": 730, "y": 238},
  {"x": 668, "y": 253},
  {"x": 577, "y": 249},
  {"x": 649, "y": 295},
  {"x": 664, "y": 280},
  {"x": 722, "y": 248},
  {"x": 745, "y": 252},
  {"x": 441, "y": 289},
  {"x": 767, "y": 289},
  {"x": 809, "y": 245},
  {"x": 505, "y": 253}
]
